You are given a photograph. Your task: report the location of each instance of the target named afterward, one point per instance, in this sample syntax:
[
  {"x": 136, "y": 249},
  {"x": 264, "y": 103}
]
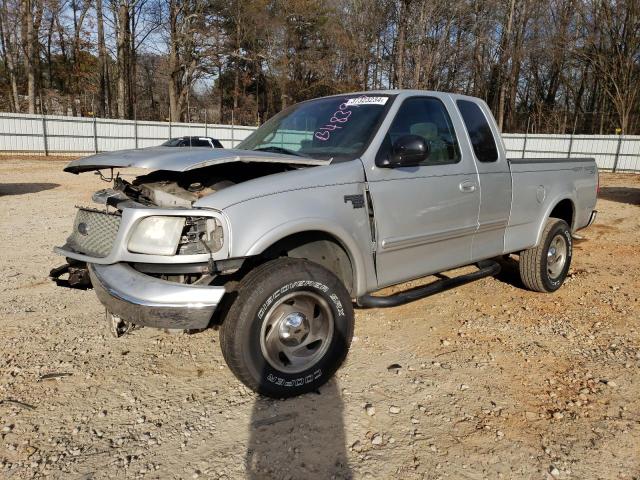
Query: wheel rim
[
  {"x": 296, "y": 331},
  {"x": 557, "y": 256}
]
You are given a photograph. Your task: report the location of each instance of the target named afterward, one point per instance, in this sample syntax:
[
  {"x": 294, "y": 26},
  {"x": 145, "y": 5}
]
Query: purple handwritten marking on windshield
[{"x": 339, "y": 116}]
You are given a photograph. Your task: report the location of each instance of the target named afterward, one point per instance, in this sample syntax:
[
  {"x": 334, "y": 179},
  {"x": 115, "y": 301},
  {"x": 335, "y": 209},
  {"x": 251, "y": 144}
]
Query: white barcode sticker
[{"x": 367, "y": 101}]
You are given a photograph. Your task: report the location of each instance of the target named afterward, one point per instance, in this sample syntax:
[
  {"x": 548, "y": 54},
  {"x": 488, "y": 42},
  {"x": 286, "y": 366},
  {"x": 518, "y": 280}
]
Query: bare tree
[
  {"x": 104, "y": 92},
  {"x": 185, "y": 29},
  {"x": 614, "y": 52},
  {"x": 555, "y": 66},
  {"x": 8, "y": 43},
  {"x": 31, "y": 11}
]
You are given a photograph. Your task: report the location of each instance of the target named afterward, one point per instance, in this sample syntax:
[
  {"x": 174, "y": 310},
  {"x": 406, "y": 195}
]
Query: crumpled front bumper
[{"x": 149, "y": 301}]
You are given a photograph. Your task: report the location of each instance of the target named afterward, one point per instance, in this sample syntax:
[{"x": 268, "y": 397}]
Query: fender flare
[
  {"x": 553, "y": 204},
  {"x": 344, "y": 238}
]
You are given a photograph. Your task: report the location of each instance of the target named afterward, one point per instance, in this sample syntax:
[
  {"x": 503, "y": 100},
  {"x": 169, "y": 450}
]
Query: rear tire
[
  {"x": 545, "y": 267},
  {"x": 289, "y": 328}
]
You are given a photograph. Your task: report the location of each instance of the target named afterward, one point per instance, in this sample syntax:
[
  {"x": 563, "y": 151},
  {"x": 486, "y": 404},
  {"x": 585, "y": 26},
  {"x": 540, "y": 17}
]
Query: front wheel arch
[
  {"x": 318, "y": 247},
  {"x": 362, "y": 268}
]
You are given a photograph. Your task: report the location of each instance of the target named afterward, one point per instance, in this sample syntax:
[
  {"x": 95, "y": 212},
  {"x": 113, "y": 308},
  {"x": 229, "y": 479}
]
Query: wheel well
[
  {"x": 318, "y": 247},
  {"x": 564, "y": 211}
]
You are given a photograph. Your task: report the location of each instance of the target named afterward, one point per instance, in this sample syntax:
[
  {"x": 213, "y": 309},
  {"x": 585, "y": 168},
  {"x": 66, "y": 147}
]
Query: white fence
[
  {"x": 20, "y": 133},
  {"x": 612, "y": 152},
  {"x": 52, "y": 134}
]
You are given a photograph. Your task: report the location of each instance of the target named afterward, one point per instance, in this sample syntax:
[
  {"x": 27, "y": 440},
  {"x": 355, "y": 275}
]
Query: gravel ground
[{"x": 486, "y": 381}]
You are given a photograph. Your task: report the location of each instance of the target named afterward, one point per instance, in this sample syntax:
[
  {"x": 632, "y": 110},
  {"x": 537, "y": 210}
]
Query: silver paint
[
  {"x": 146, "y": 300},
  {"x": 179, "y": 159},
  {"x": 427, "y": 219}
]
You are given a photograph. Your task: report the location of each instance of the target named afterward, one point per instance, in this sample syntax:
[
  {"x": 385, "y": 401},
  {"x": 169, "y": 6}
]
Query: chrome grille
[{"x": 93, "y": 232}]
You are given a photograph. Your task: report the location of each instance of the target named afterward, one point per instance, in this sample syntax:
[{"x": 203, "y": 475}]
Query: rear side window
[{"x": 484, "y": 145}]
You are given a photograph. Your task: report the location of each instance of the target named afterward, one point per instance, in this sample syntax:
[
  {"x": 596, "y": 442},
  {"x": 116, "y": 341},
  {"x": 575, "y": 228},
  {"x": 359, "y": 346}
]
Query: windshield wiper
[{"x": 275, "y": 149}]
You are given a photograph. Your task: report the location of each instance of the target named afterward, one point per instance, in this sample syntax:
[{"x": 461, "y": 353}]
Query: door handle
[{"x": 467, "y": 187}]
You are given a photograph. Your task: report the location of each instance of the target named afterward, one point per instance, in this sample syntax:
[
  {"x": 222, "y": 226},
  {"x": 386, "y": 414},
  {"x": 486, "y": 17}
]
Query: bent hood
[
  {"x": 180, "y": 159},
  {"x": 323, "y": 177}
]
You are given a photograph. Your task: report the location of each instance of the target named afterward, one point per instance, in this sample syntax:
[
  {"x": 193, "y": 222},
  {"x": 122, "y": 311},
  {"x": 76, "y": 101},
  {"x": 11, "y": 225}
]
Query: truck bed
[{"x": 538, "y": 185}]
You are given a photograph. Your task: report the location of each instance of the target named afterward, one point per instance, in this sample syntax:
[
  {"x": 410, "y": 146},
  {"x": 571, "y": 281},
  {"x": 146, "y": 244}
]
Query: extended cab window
[
  {"x": 484, "y": 145},
  {"x": 428, "y": 118}
]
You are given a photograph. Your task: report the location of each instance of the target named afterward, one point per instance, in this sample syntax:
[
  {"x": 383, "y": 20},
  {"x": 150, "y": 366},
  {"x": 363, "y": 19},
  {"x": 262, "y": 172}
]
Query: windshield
[
  {"x": 328, "y": 128},
  {"x": 174, "y": 142}
]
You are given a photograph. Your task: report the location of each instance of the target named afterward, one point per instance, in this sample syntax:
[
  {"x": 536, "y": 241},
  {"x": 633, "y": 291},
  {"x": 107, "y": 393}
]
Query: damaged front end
[
  {"x": 153, "y": 255},
  {"x": 150, "y": 256},
  {"x": 76, "y": 273}
]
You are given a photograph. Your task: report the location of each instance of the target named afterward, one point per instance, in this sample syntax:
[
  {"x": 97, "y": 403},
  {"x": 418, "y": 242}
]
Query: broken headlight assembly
[
  {"x": 169, "y": 235},
  {"x": 201, "y": 235}
]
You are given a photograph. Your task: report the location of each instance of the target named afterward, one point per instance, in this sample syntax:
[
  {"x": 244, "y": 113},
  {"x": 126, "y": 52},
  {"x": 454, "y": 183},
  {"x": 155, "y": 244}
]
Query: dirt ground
[{"x": 486, "y": 381}]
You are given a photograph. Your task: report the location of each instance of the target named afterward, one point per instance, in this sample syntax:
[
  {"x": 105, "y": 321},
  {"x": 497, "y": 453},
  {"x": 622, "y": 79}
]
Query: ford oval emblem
[{"x": 83, "y": 229}]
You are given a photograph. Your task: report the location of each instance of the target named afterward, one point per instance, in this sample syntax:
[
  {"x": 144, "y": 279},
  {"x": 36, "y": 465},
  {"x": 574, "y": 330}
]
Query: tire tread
[
  {"x": 229, "y": 331},
  {"x": 531, "y": 260}
]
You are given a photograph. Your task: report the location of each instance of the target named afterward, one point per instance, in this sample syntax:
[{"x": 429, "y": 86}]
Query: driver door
[{"x": 426, "y": 215}]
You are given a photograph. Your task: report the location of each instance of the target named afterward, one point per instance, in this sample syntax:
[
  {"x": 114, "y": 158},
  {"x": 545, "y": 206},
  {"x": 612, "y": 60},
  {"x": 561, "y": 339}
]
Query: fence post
[
  {"x": 169, "y": 130},
  {"x": 526, "y": 133},
  {"x": 573, "y": 132},
  {"x": 135, "y": 131},
  {"x": 615, "y": 161},
  {"x": 206, "y": 133},
  {"x": 95, "y": 135},
  {"x": 44, "y": 135},
  {"x": 233, "y": 141}
]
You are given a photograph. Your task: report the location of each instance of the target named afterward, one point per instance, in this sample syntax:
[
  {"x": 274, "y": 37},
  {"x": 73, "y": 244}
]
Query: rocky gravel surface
[{"x": 486, "y": 381}]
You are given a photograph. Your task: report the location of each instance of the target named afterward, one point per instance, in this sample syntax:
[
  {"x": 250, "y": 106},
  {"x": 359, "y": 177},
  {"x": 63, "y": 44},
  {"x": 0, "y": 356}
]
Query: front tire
[
  {"x": 545, "y": 267},
  {"x": 289, "y": 328}
]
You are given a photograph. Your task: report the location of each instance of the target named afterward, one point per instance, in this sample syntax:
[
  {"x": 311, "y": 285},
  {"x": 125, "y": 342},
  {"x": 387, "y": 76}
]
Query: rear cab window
[{"x": 484, "y": 145}]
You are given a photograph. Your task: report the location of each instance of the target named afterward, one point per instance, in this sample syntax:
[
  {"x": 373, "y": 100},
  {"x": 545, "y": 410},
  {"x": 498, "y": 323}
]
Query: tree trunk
[
  {"x": 132, "y": 66},
  {"x": 102, "y": 63},
  {"x": 400, "y": 43},
  {"x": 174, "y": 67},
  {"x": 236, "y": 70},
  {"x": 123, "y": 58},
  {"x": 10, "y": 57},
  {"x": 29, "y": 41},
  {"x": 422, "y": 21},
  {"x": 503, "y": 60}
]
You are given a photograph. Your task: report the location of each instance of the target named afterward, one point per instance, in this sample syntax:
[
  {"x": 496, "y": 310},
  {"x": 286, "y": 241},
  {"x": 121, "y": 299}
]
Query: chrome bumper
[{"x": 146, "y": 300}]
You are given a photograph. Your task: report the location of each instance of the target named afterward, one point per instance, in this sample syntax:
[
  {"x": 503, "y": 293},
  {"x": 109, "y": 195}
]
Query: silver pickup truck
[{"x": 326, "y": 203}]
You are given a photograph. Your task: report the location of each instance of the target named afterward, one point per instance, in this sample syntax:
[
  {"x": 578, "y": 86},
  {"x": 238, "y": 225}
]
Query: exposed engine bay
[
  {"x": 168, "y": 189},
  {"x": 164, "y": 188}
]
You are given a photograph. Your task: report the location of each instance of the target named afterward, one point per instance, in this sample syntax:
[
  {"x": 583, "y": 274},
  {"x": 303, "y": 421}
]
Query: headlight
[
  {"x": 202, "y": 235},
  {"x": 157, "y": 235}
]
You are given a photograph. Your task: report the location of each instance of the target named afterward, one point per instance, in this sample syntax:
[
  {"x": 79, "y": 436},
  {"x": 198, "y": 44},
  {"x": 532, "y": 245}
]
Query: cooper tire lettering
[{"x": 264, "y": 289}]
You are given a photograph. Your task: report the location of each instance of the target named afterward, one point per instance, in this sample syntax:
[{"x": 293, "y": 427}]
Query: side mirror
[{"x": 408, "y": 151}]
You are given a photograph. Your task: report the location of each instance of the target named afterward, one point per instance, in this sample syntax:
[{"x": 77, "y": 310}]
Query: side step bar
[{"x": 487, "y": 268}]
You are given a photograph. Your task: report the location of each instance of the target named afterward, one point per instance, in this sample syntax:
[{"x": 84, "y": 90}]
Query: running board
[{"x": 487, "y": 268}]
